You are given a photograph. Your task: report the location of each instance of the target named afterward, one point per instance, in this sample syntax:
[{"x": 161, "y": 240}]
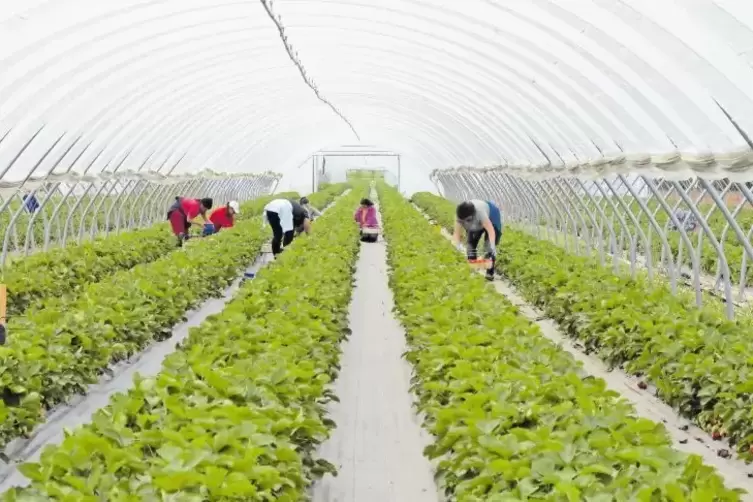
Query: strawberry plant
[
  {"x": 699, "y": 362},
  {"x": 513, "y": 416},
  {"x": 65, "y": 270},
  {"x": 56, "y": 351},
  {"x": 326, "y": 195},
  {"x": 239, "y": 410}
]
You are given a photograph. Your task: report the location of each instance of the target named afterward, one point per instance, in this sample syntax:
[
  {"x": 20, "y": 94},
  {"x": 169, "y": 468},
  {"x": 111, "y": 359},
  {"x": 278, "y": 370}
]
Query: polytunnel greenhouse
[{"x": 242, "y": 260}]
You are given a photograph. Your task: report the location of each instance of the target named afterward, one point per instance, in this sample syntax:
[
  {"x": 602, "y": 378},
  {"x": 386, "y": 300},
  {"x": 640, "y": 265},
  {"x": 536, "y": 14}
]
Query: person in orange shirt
[
  {"x": 223, "y": 217},
  {"x": 183, "y": 211}
]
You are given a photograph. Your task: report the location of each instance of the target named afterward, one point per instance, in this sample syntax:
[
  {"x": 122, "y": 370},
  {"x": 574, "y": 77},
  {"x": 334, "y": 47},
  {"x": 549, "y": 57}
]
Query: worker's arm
[
  {"x": 201, "y": 216},
  {"x": 307, "y": 226},
  {"x": 492, "y": 234},
  {"x": 456, "y": 233}
]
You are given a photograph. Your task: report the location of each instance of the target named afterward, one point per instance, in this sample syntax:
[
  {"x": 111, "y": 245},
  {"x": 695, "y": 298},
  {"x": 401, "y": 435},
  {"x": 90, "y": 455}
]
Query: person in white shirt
[{"x": 284, "y": 216}]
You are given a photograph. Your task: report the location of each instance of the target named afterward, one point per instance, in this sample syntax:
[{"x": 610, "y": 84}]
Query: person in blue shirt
[{"x": 479, "y": 217}]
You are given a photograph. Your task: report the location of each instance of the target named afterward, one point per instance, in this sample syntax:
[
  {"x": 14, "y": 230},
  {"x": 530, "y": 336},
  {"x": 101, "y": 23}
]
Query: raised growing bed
[
  {"x": 56, "y": 352},
  {"x": 699, "y": 362}
]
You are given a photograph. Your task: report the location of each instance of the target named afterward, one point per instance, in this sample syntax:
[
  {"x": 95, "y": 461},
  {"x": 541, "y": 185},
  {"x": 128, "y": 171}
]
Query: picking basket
[{"x": 480, "y": 264}]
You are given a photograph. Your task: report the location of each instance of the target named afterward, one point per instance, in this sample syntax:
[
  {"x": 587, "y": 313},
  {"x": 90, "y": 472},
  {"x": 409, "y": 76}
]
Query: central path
[{"x": 378, "y": 443}]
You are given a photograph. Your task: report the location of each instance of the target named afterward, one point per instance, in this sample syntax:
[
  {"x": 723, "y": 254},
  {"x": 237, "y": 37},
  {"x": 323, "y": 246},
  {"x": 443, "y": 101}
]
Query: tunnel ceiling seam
[{"x": 277, "y": 20}]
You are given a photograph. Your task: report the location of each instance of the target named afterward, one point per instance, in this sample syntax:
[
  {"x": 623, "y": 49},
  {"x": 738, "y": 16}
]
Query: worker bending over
[
  {"x": 284, "y": 216},
  {"x": 366, "y": 216},
  {"x": 223, "y": 217},
  {"x": 478, "y": 218},
  {"x": 183, "y": 212},
  {"x": 313, "y": 212}
]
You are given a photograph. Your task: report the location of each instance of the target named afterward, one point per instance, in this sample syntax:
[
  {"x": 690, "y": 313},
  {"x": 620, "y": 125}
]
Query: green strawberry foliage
[
  {"x": 239, "y": 410},
  {"x": 56, "y": 351},
  {"x": 513, "y": 416},
  {"x": 699, "y": 362}
]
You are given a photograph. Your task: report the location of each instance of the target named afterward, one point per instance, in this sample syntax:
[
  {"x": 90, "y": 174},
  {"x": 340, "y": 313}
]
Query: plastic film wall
[{"x": 181, "y": 88}]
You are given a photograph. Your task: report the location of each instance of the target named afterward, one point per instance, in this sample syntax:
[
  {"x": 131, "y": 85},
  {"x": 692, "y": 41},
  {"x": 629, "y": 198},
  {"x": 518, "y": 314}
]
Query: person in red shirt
[
  {"x": 224, "y": 217},
  {"x": 183, "y": 211}
]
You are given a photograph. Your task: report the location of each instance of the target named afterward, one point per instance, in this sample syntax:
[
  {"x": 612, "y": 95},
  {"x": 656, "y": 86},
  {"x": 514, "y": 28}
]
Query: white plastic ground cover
[{"x": 685, "y": 437}]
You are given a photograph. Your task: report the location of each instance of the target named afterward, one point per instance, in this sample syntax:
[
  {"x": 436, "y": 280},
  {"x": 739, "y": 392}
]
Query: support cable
[{"x": 294, "y": 58}]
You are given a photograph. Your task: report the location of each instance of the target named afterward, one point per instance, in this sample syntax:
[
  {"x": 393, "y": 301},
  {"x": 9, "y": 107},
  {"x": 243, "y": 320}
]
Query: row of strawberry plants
[
  {"x": 513, "y": 416},
  {"x": 65, "y": 271},
  {"x": 327, "y": 194},
  {"x": 56, "y": 352},
  {"x": 238, "y": 411},
  {"x": 699, "y": 362}
]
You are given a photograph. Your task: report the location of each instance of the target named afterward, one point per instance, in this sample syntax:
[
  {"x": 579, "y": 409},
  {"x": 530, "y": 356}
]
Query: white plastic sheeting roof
[{"x": 186, "y": 85}]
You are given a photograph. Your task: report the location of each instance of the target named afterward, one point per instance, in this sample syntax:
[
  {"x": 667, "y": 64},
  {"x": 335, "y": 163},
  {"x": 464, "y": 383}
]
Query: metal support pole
[
  {"x": 398, "y": 174},
  {"x": 313, "y": 173}
]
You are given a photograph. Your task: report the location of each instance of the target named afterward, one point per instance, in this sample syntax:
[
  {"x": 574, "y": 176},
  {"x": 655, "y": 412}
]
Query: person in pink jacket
[{"x": 366, "y": 216}]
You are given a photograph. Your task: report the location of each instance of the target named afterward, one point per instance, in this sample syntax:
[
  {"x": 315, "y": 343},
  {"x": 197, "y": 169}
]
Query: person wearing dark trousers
[
  {"x": 284, "y": 216},
  {"x": 479, "y": 217}
]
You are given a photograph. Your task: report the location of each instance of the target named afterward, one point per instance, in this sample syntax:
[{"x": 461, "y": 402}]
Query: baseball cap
[{"x": 234, "y": 206}]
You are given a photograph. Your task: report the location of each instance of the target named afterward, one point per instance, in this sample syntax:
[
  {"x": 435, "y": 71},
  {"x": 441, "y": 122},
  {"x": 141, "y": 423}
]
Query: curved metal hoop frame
[{"x": 72, "y": 211}]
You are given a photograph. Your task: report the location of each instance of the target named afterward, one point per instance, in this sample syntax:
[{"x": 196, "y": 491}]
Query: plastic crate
[{"x": 481, "y": 264}]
